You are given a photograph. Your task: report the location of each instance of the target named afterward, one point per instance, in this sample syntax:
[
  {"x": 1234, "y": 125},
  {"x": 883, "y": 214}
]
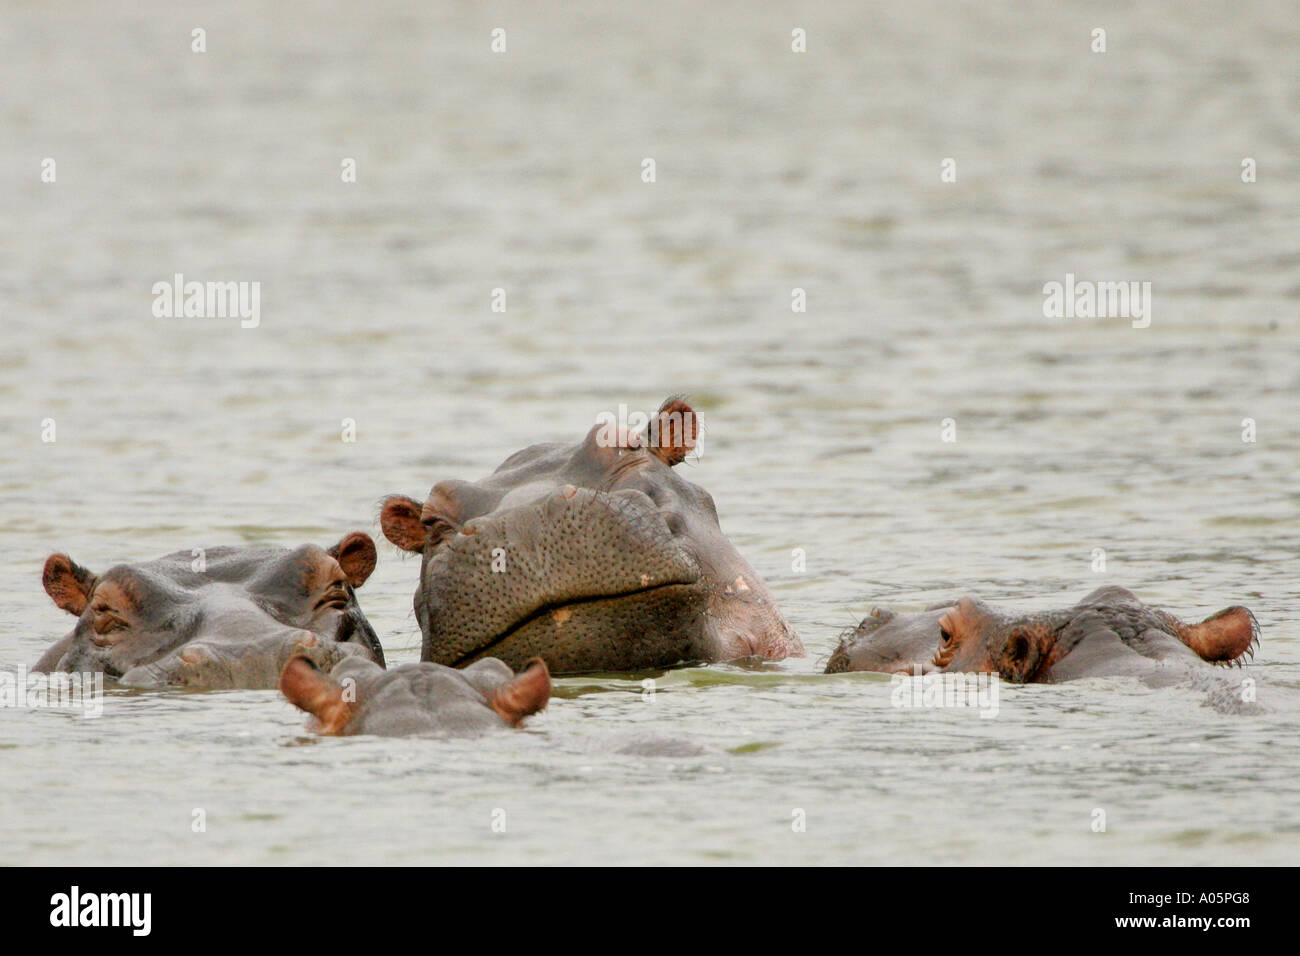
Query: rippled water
[{"x": 775, "y": 170}]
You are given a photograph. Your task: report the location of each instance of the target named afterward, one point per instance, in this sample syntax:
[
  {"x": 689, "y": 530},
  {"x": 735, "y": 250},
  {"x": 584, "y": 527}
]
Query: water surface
[{"x": 775, "y": 171}]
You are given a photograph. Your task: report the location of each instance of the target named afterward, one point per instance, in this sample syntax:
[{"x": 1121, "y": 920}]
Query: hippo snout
[{"x": 568, "y": 566}]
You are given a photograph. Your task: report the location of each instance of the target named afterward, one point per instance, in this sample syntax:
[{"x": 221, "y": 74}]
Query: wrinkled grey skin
[
  {"x": 1110, "y": 632},
  {"x": 612, "y": 561},
  {"x": 412, "y": 700},
  {"x": 232, "y": 625}
]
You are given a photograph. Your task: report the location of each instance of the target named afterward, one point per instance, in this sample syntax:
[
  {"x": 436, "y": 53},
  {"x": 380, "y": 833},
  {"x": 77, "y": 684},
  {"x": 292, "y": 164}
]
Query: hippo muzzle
[
  {"x": 591, "y": 579},
  {"x": 890, "y": 643}
]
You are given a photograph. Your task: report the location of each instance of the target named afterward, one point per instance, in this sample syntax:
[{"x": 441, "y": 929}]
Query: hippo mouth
[
  {"x": 842, "y": 662},
  {"x": 355, "y": 629},
  {"x": 617, "y": 622}
]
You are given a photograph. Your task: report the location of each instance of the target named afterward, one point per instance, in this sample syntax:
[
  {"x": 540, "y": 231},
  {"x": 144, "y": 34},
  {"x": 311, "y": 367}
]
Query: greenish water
[{"x": 774, "y": 171}]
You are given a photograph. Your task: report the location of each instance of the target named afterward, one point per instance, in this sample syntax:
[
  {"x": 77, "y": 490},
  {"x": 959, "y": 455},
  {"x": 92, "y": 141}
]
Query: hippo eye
[
  {"x": 336, "y": 597},
  {"x": 438, "y": 528},
  {"x": 107, "y": 625},
  {"x": 945, "y": 635}
]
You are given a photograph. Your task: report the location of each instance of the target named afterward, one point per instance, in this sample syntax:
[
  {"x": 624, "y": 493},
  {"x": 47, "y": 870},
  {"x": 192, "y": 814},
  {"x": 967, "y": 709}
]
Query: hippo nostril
[
  {"x": 676, "y": 523},
  {"x": 469, "y": 529},
  {"x": 568, "y": 491}
]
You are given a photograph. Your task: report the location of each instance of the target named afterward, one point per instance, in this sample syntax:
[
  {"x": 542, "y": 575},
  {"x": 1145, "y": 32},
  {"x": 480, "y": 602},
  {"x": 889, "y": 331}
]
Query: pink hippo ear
[
  {"x": 1223, "y": 637},
  {"x": 673, "y": 432},
  {"x": 356, "y": 556},
  {"x": 310, "y": 690},
  {"x": 400, "y": 519},
  {"x": 524, "y": 694},
  {"x": 68, "y": 583}
]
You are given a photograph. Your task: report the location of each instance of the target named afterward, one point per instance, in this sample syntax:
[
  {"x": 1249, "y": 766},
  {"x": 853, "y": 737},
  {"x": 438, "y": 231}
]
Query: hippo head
[
  {"x": 596, "y": 556},
  {"x": 890, "y": 643},
  {"x": 224, "y": 618},
  {"x": 359, "y": 697},
  {"x": 1105, "y": 628},
  {"x": 1105, "y": 633}
]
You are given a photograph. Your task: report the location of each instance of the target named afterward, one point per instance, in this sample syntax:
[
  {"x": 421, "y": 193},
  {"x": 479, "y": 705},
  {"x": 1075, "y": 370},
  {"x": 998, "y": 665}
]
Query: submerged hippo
[
  {"x": 230, "y": 619},
  {"x": 596, "y": 556},
  {"x": 1108, "y": 633},
  {"x": 359, "y": 697}
]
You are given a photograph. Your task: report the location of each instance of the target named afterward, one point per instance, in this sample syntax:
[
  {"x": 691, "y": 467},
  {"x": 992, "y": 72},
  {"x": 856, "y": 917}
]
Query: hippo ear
[
  {"x": 1223, "y": 637},
  {"x": 68, "y": 583},
  {"x": 673, "y": 432},
  {"x": 523, "y": 694},
  {"x": 310, "y": 690},
  {"x": 356, "y": 556},
  {"x": 400, "y": 519},
  {"x": 1023, "y": 654}
]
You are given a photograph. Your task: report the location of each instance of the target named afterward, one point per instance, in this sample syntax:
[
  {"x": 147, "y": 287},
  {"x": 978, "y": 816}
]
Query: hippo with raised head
[
  {"x": 596, "y": 556},
  {"x": 231, "y": 618},
  {"x": 360, "y": 697},
  {"x": 1108, "y": 633}
]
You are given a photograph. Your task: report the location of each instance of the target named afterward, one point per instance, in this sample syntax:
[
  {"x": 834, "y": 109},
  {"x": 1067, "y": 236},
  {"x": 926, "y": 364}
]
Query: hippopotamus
[
  {"x": 595, "y": 556},
  {"x": 359, "y": 697},
  {"x": 224, "y": 618},
  {"x": 1110, "y": 632}
]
